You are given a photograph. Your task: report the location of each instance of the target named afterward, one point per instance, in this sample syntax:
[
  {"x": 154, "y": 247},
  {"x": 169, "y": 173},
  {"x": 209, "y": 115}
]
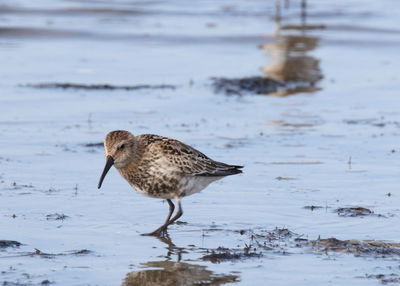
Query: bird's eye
[{"x": 121, "y": 147}]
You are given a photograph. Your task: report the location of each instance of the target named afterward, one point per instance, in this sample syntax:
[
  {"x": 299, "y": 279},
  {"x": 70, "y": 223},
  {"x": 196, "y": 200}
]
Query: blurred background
[{"x": 303, "y": 93}]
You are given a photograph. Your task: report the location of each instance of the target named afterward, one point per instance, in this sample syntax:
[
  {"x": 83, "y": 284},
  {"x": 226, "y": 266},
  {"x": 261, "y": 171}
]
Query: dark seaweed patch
[
  {"x": 16, "y": 186},
  {"x": 259, "y": 85},
  {"x": 9, "y": 243},
  {"x": 100, "y": 86},
  {"x": 256, "y": 85},
  {"x": 282, "y": 240},
  {"x": 222, "y": 254},
  {"x": 42, "y": 254},
  {"x": 99, "y": 144},
  {"x": 56, "y": 216},
  {"x": 284, "y": 178},
  {"x": 385, "y": 278},
  {"x": 366, "y": 247},
  {"x": 312, "y": 207},
  {"x": 81, "y": 252},
  {"x": 353, "y": 211}
]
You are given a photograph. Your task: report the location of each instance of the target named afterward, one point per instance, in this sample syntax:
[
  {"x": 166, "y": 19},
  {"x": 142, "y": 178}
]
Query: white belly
[
  {"x": 188, "y": 185},
  {"x": 193, "y": 184}
]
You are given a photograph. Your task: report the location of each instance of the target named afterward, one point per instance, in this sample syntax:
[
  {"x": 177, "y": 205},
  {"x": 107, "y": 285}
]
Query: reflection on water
[
  {"x": 291, "y": 61},
  {"x": 176, "y": 273},
  {"x": 172, "y": 249},
  {"x": 169, "y": 273}
]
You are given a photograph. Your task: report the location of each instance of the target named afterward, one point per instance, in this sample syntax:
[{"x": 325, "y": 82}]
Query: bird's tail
[{"x": 222, "y": 169}]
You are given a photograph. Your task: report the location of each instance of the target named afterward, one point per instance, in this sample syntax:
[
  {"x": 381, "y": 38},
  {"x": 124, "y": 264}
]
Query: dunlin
[{"x": 161, "y": 167}]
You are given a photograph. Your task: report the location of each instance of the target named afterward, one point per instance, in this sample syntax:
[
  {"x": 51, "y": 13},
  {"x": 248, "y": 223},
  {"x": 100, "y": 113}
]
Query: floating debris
[
  {"x": 312, "y": 207},
  {"x": 56, "y": 216}
]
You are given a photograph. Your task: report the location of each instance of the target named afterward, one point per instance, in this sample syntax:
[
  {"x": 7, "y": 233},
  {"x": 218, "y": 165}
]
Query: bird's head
[{"x": 120, "y": 149}]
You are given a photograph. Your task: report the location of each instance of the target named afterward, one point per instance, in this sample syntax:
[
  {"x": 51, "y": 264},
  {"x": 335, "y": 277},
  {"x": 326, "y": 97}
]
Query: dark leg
[
  {"x": 171, "y": 210},
  {"x": 163, "y": 228},
  {"x": 178, "y": 214}
]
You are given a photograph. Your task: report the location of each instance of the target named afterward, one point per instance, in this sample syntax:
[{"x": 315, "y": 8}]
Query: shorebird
[{"x": 161, "y": 167}]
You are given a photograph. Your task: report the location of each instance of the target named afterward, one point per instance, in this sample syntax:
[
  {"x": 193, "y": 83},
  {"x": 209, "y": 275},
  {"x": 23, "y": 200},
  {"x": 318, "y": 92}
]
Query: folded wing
[{"x": 190, "y": 161}]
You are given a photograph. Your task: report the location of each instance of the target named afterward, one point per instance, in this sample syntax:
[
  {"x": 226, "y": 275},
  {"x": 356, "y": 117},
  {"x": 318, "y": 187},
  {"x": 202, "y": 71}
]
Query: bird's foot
[{"x": 160, "y": 232}]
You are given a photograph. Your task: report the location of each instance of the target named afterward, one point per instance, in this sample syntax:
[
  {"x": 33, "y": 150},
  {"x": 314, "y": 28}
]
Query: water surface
[{"x": 332, "y": 142}]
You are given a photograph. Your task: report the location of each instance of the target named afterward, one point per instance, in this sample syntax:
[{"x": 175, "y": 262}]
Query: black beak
[{"x": 109, "y": 163}]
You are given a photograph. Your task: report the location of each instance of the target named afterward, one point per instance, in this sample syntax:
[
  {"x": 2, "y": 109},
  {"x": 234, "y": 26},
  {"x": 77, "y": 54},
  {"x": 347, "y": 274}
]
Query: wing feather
[{"x": 187, "y": 159}]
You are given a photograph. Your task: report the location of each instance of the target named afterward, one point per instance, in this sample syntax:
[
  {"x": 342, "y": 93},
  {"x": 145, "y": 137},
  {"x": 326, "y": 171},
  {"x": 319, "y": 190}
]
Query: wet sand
[{"x": 318, "y": 201}]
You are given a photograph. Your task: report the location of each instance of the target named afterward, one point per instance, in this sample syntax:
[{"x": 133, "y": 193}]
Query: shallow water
[{"x": 333, "y": 144}]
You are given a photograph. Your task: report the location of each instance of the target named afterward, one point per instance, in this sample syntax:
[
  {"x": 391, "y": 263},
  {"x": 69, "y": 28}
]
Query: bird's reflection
[
  {"x": 291, "y": 61},
  {"x": 175, "y": 273},
  {"x": 172, "y": 249}
]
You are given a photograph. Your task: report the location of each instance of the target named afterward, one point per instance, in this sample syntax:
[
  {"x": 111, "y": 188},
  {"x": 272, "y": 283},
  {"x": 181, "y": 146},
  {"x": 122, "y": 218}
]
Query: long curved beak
[{"x": 109, "y": 163}]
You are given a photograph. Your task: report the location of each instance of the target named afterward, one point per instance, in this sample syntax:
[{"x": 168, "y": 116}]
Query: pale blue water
[{"x": 353, "y": 113}]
